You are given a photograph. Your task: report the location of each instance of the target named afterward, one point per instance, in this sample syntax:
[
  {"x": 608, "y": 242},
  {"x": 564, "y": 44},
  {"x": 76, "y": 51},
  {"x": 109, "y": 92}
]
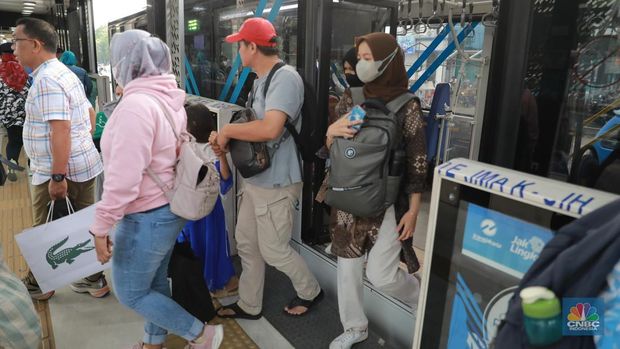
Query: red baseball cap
[{"x": 257, "y": 30}]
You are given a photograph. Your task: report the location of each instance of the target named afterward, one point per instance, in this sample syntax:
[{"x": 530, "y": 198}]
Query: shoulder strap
[
  {"x": 399, "y": 102},
  {"x": 376, "y": 104},
  {"x": 270, "y": 76},
  {"x": 149, "y": 171},
  {"x": 168, "y": 116},
  {"x": 288, "y": 125},
  {"x": 395, "y": 106},
  {"x": 357, "y": 94}
]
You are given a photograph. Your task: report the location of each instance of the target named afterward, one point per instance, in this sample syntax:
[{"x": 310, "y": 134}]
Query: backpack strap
[
  {"x": 178, "y": 136},
  {"x": 290, "y": 127},
  {"x": 399, "y": 102},
  {"x": 357, "y": 94},
  {"x": 166, "y": 114},
  {"x": 395, "y": 107},
  {"x": 376, "y": 104},
  {"x": 275, "y": 68}
]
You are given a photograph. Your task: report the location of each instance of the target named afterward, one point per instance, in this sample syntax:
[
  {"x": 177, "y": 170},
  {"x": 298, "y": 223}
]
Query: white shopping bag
[{"x": 61, "y": 251}]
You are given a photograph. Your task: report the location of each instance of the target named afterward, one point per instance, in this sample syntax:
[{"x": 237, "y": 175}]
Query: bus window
[
  {"x": 463, "y": 76},
  {"x": 351, "y": 19},
  {"x": 212, "y": 60}
]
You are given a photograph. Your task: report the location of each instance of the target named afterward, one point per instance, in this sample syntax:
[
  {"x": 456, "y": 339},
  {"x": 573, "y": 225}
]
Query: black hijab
[{"x": 351, "y": 58}]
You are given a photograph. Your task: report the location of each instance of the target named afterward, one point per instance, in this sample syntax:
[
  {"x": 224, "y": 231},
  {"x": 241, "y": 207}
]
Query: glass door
[
  {"x": 343, "y": 21},
  {"x": 211, "y": 63}
]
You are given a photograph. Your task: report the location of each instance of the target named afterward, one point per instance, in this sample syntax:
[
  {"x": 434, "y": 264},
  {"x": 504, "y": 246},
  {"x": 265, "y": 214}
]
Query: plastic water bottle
[
  {"x": 357, "y": 113},
  {"x": 541, "y": 315}
]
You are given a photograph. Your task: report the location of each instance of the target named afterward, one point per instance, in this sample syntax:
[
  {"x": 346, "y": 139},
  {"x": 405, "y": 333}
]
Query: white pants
[{"x": 382, "y": 270}]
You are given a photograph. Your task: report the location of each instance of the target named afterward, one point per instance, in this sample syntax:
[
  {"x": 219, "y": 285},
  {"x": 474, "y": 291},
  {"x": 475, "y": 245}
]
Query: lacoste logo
[{"x": 67, "y": 255}]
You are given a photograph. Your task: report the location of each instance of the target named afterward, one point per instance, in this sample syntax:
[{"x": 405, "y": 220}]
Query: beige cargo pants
[{"x": 263, "y": 234}]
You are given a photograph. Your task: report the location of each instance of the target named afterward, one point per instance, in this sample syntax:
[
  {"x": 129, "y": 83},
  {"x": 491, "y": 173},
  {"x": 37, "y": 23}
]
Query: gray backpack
[{"x": 366, "y": 170}]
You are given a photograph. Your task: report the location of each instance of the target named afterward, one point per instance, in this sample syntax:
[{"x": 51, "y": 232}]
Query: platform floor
[{"x": 72, "y": 320}]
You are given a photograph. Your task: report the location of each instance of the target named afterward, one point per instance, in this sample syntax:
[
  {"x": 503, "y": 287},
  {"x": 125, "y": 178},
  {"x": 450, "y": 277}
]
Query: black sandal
[
  {"x": 298, "y": 302},
  {"x": 239, "y": 313}
]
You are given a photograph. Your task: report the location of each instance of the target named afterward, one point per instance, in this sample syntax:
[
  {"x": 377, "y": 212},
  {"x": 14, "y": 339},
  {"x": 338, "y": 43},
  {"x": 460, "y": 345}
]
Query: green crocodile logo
[{"x": 67, "y": 255}]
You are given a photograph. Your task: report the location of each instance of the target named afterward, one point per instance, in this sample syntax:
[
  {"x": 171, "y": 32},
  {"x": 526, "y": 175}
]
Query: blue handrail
[
  {"x": 442, "y": 57},
  {"x": 275, "y": 9},
  {"x": 190, "y": 74},
  {"x": 235, "y": 67},
  {"x": 429, "y": 50}
]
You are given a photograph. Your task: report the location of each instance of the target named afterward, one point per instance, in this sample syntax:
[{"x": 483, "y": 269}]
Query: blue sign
[
  {"x": 582, "y": 316},
  {"x": 470, "y": 326},
  {"x": 502, "y": 242}
]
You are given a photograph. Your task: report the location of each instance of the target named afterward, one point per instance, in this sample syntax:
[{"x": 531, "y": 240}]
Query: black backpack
[{"x": 309, "y": 140}]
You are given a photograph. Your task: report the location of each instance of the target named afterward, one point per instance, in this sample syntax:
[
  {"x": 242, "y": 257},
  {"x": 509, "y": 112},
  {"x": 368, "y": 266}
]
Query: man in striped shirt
[
  {"x": 19, "y": 322},
  {"x": 57, "y": 136}
]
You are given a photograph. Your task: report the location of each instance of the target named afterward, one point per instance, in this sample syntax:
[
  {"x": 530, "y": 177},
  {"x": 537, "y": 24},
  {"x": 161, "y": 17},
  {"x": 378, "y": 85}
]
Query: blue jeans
[{"x": 142, "y": 248}]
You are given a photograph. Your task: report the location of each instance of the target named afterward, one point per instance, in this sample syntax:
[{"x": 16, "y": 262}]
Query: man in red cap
[{"x": 270, "y": 198}]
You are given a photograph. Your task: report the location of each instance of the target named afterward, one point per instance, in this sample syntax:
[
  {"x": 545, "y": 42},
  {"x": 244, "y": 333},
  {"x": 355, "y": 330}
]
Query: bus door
[
  {"x": 342, "y": 21},
  {"x": 212, "y": 66}
]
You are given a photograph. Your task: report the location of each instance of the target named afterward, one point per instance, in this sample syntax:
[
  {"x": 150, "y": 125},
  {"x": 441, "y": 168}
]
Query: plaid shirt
[
  {"x": 19, "y": 322},
  {"x": 58, "y": 94}
]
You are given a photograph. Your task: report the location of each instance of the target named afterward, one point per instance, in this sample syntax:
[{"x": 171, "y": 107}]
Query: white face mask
[{"x": 368, "y": 71}]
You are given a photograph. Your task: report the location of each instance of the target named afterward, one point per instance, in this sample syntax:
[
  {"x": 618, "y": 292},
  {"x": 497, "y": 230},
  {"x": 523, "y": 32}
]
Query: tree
[{"x": 102, "y": 45}]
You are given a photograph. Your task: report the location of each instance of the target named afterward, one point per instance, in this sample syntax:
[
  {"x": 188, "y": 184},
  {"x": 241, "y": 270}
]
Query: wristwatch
[{"x": 58, "y": 177}]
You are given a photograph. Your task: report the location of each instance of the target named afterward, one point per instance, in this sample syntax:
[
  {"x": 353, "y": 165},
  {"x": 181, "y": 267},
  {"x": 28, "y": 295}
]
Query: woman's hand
[
  {"x": 342, "y": 128},
  {"x": 103, "y": 245},
  {"x": 406, "y": 227}
]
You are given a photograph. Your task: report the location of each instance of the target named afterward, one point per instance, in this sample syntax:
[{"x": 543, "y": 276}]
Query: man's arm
[
  {"x": 263, "y": 130},
  {"x": 93, "y": 120},
  {"x": 60, "y": 139}
]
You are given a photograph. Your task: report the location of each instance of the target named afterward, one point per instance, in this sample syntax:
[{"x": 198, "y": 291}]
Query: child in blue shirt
[{"x": 208, "y": 236}]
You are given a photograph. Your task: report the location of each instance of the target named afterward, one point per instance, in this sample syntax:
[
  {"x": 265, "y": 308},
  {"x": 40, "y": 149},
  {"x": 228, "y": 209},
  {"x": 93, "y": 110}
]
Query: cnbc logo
[{"x": 582, "y": 316}]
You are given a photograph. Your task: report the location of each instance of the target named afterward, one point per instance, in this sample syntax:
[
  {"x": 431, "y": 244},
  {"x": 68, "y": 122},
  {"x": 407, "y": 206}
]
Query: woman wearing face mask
[
  {"x": 132, "y": 203},
  {"x": 381, "y": 68},
  {"x": 355, "y": 91}
]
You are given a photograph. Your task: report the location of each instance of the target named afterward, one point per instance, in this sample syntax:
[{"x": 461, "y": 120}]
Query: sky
[{"x": 106, "y": 11}]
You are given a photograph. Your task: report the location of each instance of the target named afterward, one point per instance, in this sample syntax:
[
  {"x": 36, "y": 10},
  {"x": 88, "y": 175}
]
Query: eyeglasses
[{"x": 15, "y": 40}]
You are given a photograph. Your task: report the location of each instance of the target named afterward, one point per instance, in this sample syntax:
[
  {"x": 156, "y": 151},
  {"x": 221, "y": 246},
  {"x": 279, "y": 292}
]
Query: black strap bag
[
  {"x": 189, "y": 289},
  {"x": 250, "y": 158}
]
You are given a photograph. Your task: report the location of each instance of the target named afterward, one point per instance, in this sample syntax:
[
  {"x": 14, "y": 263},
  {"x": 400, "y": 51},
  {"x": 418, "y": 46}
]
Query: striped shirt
[
  {"x": 19, "y": 322},
  {"x": 58, "y": 94}
]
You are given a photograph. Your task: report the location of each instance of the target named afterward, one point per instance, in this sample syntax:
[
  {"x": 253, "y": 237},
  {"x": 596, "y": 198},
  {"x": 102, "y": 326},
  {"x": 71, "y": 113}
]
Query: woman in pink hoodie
[{"x": 138, "y": 136}]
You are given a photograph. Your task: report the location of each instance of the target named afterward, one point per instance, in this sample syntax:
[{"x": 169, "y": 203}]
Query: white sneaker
[{"x": 348, "y": 338}]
